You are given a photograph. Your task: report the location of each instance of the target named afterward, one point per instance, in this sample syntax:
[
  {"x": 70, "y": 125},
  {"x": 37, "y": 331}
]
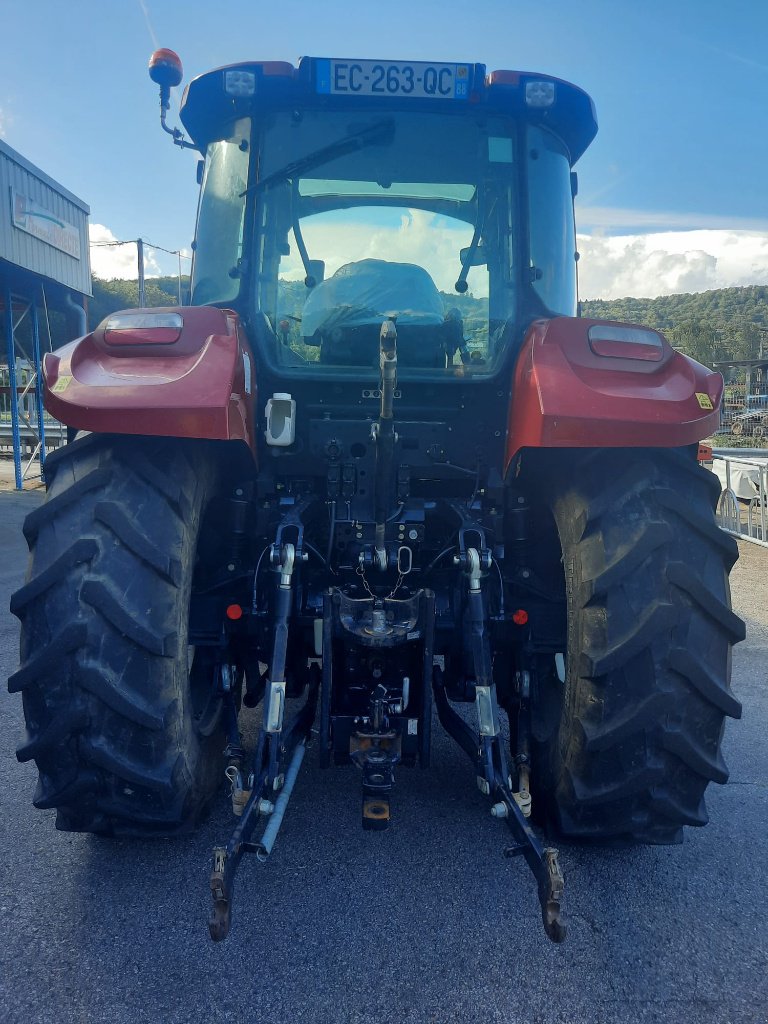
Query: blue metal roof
[
  {"x": 28, "y": 166},
  {"x": 43, "y": 226}
]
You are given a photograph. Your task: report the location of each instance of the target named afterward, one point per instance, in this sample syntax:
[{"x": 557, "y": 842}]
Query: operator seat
[{"x": 343, "y": 315}]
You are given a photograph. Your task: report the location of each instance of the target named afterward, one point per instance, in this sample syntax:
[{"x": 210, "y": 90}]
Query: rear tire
[
  {"x": 635, "y": 729},
  {"x": 124, "y": 743}
]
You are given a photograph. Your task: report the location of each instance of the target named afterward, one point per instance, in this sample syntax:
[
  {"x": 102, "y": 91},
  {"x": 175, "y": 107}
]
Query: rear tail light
[
  {"x": 704, "y": 453},
  {"x": 626, "y": 342},
  {"x": 143, "y": 328}
]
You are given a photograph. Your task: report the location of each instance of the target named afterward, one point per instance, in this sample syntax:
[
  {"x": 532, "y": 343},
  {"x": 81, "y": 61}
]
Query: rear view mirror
[
  {"x": 479, "y": 259},
  {"x": 316, "y": 271}
]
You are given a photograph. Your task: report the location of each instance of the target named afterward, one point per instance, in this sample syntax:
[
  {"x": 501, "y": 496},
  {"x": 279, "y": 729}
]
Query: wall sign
[{"x": 33, "y": 218}]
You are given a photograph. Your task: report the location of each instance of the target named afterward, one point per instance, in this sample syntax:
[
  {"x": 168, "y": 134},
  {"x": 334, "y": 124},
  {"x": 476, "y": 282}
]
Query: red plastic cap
[
  {"x": 520, "y": 617},
  {"x": 165, "y": 68},
  {"x": 503, "y": 78},
  {"x": 277, "y": 69},
  {"x": 234, "y": 612}
]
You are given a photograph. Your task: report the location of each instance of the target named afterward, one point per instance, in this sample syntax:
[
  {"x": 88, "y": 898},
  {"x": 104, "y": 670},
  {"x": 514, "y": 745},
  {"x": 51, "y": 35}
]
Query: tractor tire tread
[
  {"x": 52, "y": 509},
  {"x": 637, "y": 739},
  {"x": 48, "y": 658},
  {"x": 104, "y": 673},
  {"x": 137, "y": 541},
  {"x": 107, "y": 602}
]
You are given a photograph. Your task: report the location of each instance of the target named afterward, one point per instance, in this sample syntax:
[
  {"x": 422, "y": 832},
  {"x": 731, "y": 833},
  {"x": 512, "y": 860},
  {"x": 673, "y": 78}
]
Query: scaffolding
[
  {"x": 22, "y": 416},
  {"x": 45, "y": 279}
]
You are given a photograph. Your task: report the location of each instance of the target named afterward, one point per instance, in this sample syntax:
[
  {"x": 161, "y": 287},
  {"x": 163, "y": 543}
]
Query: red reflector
[
  {"x": 625, "y": 342},
  {"x": 277, "y": 69},
  {"x": 503, "y": 78},
  {"x": 705, "y": 453},
  {"x": 145, "y": 336},
  {"x": 142, "y": 327},
  {"x": 520, "y": 617},
  {"x": 234, "y": 612},
  {"x": 626, "y": 350}
]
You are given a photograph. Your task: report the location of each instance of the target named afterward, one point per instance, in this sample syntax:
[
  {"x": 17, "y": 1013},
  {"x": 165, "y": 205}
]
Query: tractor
[{"x": 377, "y": 473}]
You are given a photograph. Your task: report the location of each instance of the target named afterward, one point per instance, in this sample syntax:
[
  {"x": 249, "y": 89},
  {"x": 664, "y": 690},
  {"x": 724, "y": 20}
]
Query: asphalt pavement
[{"x": 426, "y": 922}]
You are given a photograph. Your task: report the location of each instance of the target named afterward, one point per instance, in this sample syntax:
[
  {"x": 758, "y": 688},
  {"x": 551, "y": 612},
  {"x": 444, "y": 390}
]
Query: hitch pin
[{"x": 239, "y": 795}]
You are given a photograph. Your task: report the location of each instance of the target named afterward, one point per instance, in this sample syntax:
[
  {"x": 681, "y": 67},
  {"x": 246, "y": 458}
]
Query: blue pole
[
  {"x": 38, "y": 382},
  {"x": 14, "y": 403}
]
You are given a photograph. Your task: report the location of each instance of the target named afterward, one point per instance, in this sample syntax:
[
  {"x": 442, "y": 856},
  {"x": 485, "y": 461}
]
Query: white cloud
[
  {"x": 416, "y": 237},
  {"x": 5, "y": 122},
  {"x": 109, "y": 260},
  {"x": 662, "y": 263},
  {"x": 641, "y": 264}
]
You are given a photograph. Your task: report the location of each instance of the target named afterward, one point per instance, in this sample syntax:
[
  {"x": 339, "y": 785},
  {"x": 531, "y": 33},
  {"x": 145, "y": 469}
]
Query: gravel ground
[{"x": 423, "y": 923}]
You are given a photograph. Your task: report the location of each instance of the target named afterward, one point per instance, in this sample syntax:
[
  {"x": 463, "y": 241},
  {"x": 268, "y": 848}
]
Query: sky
[{"x": 673, "y": 193}]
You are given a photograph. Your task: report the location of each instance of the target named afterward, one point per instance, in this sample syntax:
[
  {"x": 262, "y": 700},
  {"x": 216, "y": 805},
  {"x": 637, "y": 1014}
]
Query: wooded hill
[
  {"x": 716, "y": 325},
  {"x": 720, "y": 308},
  {"x": 721, "y": 324}
]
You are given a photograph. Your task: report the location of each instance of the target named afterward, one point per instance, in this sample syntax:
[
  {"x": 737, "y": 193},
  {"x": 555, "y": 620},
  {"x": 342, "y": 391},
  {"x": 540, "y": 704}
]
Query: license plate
[{"x": 386, "y": 78}]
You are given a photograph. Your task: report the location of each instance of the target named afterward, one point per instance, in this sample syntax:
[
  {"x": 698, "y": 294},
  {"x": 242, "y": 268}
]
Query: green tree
[
  {"x": 109, "y": 296},
  {"x": 698, "y": 339}
]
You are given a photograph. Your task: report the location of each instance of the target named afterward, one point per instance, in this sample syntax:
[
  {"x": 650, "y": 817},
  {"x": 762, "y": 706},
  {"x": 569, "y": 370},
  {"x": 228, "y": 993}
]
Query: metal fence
[
  {"x": 29, "y": 440},
  {"x": 743, "y": 506},
  {"x": 745, "y": 413}
]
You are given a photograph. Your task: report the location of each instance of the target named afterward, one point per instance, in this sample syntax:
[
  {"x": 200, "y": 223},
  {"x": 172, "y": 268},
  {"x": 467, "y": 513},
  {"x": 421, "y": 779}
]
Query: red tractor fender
[
  {"x": 565, "y": 395},
  {"x": 196, "y": 380}
]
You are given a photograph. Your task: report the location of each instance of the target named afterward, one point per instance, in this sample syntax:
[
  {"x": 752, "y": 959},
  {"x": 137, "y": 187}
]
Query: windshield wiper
[{"x": 379, "y": 133}]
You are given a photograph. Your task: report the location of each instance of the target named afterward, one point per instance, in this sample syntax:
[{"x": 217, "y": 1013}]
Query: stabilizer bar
[
  {"x": 486, "y": 751},
  {"x": 542, "y": 860},
  {"x": 226, "y": 859},
  {"x": 276, "y": 818}
]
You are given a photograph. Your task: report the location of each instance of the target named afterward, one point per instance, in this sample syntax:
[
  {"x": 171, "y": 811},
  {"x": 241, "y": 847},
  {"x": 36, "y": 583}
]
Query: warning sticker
[
  {"x": 61, "y": 384},
  {"x": 704, "y": 400}
]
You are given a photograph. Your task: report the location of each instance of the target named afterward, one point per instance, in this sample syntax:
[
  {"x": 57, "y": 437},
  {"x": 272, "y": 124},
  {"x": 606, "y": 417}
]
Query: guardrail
[
  {"x": 55, "y": 434},
  {"x": 743, "y": 506},
  {"x": 26, "y": 444}
]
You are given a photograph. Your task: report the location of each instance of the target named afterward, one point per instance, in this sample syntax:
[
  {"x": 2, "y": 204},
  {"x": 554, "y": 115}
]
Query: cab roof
[{"x": 213, "y": 100}]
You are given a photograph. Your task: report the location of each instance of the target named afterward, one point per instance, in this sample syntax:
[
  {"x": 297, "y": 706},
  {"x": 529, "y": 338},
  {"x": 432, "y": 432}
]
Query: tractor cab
[{"x": 340, "y": 194}]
